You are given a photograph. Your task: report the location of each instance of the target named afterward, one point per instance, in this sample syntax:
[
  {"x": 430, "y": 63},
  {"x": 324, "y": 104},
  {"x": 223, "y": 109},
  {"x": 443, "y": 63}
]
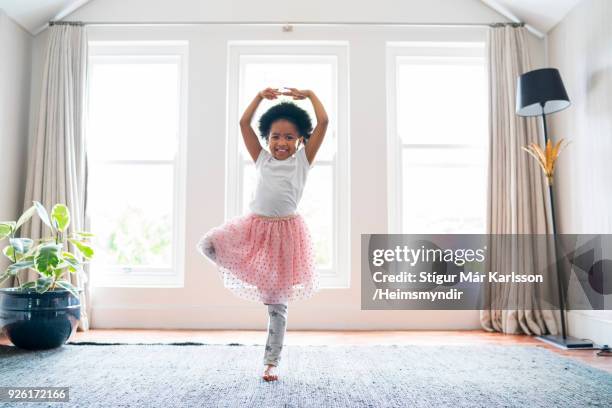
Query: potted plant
[{"x": 42, "y": 313}]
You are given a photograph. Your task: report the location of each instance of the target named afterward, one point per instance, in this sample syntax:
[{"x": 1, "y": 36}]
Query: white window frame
[
  {"x": 151, "y": 277},
  {"x": 339, "y": 274},
  {"x": 451, "y": 52}
]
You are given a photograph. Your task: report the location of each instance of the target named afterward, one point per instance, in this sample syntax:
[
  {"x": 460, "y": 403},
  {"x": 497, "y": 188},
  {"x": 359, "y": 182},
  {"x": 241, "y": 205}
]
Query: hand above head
[
  {"x": 270, "y": 93},
  {"x": 296, "y": 93}
]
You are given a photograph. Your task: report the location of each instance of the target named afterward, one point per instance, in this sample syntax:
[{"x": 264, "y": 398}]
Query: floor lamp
[{"x": 539, "y": 93}]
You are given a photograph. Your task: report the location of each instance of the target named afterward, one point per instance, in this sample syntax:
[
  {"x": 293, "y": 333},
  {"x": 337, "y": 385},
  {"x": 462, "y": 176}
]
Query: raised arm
[
  {"x": 251, "y": 141},
  {"x": 316, "y": 138}
]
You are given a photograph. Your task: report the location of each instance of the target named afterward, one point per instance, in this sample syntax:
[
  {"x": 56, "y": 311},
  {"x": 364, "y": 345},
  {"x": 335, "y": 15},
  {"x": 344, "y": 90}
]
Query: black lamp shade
[{"x": 540, "y": 88}]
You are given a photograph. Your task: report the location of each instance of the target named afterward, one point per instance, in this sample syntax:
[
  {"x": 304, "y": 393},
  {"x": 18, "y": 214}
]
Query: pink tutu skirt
[{"x": 263, "y": 259}]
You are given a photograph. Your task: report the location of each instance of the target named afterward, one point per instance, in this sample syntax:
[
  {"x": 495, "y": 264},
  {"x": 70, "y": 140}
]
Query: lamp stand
[{"x": 563, "y": 341}]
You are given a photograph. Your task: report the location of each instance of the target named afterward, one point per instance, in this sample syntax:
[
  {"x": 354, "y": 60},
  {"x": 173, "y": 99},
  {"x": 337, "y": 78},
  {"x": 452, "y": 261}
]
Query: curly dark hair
[{"x": 290, "y": 112}]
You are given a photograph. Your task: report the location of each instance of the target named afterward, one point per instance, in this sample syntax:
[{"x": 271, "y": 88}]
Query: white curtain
[
  {"x": 57, "y": 164},
  {"x": 518, "y": 201}
]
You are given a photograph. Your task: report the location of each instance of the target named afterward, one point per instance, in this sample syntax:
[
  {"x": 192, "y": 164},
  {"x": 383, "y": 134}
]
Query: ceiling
[
  {"x": 541, "y": 15},
  {"x": 33, "y": 15}
]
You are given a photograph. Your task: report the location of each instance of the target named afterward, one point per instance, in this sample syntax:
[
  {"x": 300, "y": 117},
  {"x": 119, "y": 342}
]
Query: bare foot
[{"x": 270, "y": 373}]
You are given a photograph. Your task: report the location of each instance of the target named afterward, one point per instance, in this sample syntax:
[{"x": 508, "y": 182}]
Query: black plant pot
[{"x": 38, "y": 321}]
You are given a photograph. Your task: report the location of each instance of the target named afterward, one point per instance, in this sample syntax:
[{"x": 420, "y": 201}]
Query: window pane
[
  {"x": 450, "y": 156},
  {"x": 133, "y": 108},
  {"x": 249, "y": 181},
  {"x": 441, "y": 102},
  {"x": 316, "y": 207},
  {"x": 441, "y": 198},
  {"x": 131, "y": 214},
  {"x": 315, "y": 73}
]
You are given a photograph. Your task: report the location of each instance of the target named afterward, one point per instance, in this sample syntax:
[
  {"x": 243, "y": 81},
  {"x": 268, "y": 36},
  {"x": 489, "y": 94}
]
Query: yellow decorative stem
[{"x": 546, "y": 157}]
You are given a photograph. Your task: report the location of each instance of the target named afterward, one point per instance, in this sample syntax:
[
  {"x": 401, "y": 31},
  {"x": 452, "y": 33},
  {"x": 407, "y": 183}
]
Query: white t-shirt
[{"x": 280, "y": 183}]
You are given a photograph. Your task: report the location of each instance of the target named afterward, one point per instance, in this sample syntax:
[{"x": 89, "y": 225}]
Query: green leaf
[
  {"x": 67, "y": 255},
  {"x": 28, "y": 285},
  {"x": 75, "y": 265},
  {"x": 42, "y": 213},
  {"x": 6, "y": 228},
  {"x": 21, "y": 245},
  {"x": 25, "y": 216},
  {"x": 84, "y": 234},
  {"x": 86, "y": 250},
  {"x": 43, "y": 284},
  {"x": 9, "y": 252},
  {"x": 58, "y": 272},
  {"x": 69, "y": 286},
  {"x": 66, "y": 264},
  {"x": 17, "y": 266},
  {"x": 61, "y": 214},
  {"x": 47, "y": 257}
]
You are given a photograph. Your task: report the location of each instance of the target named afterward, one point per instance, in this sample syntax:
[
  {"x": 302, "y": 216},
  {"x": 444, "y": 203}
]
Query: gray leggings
[{"x": 277, "y": 324}]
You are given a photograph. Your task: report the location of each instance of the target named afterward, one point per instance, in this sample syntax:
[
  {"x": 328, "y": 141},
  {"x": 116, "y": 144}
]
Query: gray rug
[{"x": 191, "y": 375}]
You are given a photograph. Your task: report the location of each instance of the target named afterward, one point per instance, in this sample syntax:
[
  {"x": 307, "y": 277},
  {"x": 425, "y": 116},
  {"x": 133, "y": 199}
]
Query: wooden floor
[{"x": 467, "y": 337}]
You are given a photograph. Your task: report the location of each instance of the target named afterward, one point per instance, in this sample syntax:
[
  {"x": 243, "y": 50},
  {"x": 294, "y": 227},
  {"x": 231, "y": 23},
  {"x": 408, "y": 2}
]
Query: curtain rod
[
  {"x": 288, "y": 26},
  {"x": 290, "y": 23}
]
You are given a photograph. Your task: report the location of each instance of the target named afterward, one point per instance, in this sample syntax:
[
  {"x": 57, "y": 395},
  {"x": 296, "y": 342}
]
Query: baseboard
[
  {"x": 255, "y": 317},
  {"x": 588, "y": 325}
]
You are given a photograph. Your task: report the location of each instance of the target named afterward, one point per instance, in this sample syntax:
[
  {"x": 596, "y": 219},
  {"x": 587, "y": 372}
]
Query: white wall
[
  {"x": 15, "y": 62},
  {"x": 204, "y": 303},
  {"x": 580, "y": 46}
]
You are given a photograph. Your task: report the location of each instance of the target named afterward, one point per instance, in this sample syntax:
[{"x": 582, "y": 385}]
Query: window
[
  {"x": 437, "y": 137},
  {"x": 324, "y": 204},
  {"x": 136, "y": 154}
]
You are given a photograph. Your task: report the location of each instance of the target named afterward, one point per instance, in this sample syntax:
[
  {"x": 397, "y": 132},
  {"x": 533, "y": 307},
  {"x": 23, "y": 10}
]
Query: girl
[{"x": 266, "y": 255}]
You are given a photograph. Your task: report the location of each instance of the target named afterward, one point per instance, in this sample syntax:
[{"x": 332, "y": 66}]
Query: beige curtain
[
  {"x": 518, "y": 201},
  {"x": 57, "y": 164}
]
